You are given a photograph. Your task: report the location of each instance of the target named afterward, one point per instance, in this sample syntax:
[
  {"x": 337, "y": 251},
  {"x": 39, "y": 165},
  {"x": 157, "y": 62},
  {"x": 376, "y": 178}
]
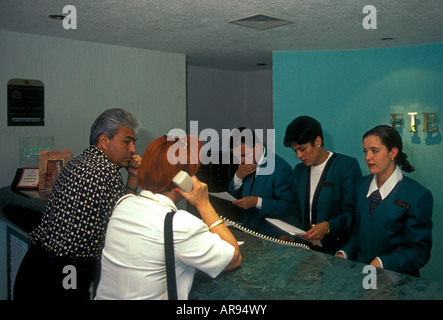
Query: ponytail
[{"x": 402, "y": 161}]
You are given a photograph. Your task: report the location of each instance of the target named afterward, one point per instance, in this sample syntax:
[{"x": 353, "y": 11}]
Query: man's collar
[
  {"x": 260, "y": 161},
  {"x": 100, "y": 153}
]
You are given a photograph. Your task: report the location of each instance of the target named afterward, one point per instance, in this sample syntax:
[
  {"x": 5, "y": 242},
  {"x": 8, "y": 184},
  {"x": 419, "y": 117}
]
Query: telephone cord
[{"x": 262, "y": 236}]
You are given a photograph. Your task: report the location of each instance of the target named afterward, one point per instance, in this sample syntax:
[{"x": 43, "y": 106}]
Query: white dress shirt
[
  {"x": 316, "y": 172},
  {"x": 238, "y": 181},
  {"x": 389, "y": 184},
  {"x": 133, "y": 259}
]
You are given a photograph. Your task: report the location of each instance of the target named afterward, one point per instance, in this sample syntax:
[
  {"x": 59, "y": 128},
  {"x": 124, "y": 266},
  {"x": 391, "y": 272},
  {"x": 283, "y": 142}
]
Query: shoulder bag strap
[{"x": 169, "y": 257}]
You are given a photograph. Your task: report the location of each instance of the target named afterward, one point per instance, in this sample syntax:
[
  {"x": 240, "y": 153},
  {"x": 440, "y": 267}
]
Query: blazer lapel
[
  {"x": 260, "y": 180},
  {"x": 247, "y": 181},
  {"x": 306, "y": 197},
  {"x": 257, "y": 188},
  {"x": 320, "y": 185}
]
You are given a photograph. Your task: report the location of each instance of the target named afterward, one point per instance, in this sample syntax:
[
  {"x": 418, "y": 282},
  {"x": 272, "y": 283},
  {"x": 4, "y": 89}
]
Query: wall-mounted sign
[
  {"x": 26, "y": 102},
  {"x": 429, "y": 121}
]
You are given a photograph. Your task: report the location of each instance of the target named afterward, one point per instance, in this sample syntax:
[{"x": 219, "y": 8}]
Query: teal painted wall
[{"x": 350, "y": 92}]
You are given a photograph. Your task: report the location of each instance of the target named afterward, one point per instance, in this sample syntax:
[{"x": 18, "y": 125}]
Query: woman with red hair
[{"x": 133, "y": 259}]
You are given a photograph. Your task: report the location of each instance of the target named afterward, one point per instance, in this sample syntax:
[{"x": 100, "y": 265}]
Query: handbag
[{"x": 169, "y": 257}]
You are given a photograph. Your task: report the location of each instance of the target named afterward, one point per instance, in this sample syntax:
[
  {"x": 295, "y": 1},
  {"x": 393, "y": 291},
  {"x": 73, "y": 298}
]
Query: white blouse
[
  {"x": 389, "y": 184},
  {"x": 133, "y": 259},
  {"x": 316, "y": 172}
]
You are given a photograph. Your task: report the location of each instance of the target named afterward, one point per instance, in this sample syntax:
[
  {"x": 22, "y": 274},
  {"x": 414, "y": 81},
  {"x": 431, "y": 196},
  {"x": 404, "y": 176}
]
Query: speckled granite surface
[{"x": 272, "y": 271}]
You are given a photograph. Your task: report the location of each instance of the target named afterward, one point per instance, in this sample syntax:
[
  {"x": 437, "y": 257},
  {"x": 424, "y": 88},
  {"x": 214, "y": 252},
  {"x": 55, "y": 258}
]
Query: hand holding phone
[
  {"x": 193, "y": 190},
  {"x": 183, "y": 181}
]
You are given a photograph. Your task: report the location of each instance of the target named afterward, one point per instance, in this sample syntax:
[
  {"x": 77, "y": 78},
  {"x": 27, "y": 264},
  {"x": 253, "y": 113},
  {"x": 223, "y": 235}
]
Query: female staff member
[
  {"x": 393, "y": 220},
  {"x": 324, "y": 186},
  {"x": 133, "y": 260}
]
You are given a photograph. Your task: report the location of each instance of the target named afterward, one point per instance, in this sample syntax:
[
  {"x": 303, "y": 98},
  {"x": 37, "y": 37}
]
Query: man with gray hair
[{"x": 63, "y": 261}]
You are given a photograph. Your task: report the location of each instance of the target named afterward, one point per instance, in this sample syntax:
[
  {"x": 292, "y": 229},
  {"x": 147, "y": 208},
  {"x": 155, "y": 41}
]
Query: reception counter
[{"x": 274, "y": 271}]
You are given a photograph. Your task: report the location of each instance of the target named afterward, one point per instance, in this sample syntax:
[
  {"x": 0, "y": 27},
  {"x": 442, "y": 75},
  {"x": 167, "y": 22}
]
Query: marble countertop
[{"x": 273, "y": 271}]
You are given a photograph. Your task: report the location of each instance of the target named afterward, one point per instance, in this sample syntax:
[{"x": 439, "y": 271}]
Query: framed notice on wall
[{"x": 26, "y": 102}]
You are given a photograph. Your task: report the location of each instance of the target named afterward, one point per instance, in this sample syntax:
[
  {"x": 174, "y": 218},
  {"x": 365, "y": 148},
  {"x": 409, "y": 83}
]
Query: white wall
[
  {"x": 223, "y": 99},
  {"x": 81, "y": 80},
  {"x": 259, "y": 99}
]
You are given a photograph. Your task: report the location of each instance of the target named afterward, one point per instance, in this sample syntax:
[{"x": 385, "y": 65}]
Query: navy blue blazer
[
  {"x": 334, "y": 199},
  {"x": 277, "y": 193},
  {"x": 399, "y": 229}
]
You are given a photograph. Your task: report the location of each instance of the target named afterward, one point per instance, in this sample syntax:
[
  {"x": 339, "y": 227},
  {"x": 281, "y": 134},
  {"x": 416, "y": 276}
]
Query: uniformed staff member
[{"x": 393, "y": 218}]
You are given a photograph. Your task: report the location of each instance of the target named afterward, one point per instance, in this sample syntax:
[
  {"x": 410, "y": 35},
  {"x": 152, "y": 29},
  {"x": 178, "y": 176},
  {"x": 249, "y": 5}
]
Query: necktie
[
  {"x": 375, "y": 198},
  {"x": 253, "y": 180}
]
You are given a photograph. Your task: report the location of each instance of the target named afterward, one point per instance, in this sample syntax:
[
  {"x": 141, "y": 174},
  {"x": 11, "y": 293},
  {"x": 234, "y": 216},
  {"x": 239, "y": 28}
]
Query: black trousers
[{"x": 42, "y": 275}]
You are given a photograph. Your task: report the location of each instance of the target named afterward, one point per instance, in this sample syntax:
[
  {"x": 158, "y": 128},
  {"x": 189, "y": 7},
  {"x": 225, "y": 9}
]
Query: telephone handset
[
  {"x": 262, "y": 236},
  {"x": 183, "y": 181}
]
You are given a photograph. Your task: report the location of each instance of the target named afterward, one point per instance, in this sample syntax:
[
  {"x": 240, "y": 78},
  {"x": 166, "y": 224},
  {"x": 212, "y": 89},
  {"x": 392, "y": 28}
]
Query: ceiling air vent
[{"x": 260, "y": 21}]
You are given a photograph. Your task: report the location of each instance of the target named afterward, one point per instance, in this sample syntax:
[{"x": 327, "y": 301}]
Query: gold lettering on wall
[
  {"x": 396, "y": 121},
  {"x": 429, "y": 124},
  {"x": 413, "y": 114},
  {"x": 426, "y": 121}
]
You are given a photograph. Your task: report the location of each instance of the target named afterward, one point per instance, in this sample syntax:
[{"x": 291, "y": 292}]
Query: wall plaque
[{"x": 26, "y": 102}]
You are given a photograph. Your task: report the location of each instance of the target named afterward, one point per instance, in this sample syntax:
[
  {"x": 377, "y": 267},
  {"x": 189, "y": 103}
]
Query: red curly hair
[{"x": 157, "y": 170}]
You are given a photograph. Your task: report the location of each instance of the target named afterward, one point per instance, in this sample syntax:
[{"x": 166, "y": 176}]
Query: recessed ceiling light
[{"x": 56, "y": 16}]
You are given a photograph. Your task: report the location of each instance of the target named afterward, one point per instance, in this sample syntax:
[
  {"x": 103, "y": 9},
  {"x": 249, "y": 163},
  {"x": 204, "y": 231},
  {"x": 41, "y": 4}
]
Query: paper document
[
  {"x": 223, "y": 195},
  {"x": 289, "y": 228}
]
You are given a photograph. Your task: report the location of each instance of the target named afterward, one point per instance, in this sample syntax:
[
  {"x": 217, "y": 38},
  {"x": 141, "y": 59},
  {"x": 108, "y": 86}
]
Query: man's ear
[{"x": 103, "y": 142}]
